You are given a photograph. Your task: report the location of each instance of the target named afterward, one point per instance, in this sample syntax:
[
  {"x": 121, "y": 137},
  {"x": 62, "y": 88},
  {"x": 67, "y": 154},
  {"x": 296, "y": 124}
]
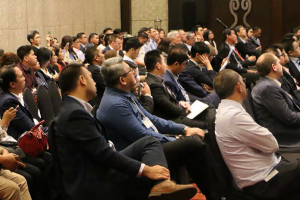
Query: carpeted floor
[{"x": 199, "y": 195}]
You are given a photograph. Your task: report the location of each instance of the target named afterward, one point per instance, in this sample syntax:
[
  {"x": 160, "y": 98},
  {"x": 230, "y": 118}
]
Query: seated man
[
  {"x": 291, "y": 47},
  {"x": 101, "y": 171},
  {"x": 176, "y": 61},
  {"x": 114, "y": 43},
  {"x": 275, "y": 108},
  {"x": 95, "y": 58},
  {"x": 126, "y": 121},
  {"x": 236, "y": 61},
  {"x": 166, "y": 105},
  {"x": 249, "y": 149}
]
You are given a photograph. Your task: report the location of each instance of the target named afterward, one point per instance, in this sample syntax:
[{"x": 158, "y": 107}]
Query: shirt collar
[
  {"x": 175, "y": 76},
  {"x": 243, "y": 40},
  {"x": 231, "y": 47},
  {"x": 25, "y": 68},
  {"x": 85, "y": 104},
  {"x": 111, "y": 47},
  {"x": 19, "y": 97},
  {"x": 276, "y": 81},
  {"x": 128, "y": 58},
  {"x": 161, "y": 79},
  {"x": 228, "y": 102},
  {"x": 294, "y": 60}
]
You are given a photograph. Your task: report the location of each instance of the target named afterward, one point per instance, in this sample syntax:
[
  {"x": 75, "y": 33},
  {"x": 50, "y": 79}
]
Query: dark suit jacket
[
  {"x": 23, "y": 120},
  {"x": 108, "y": 48},
  {"x": 147, "y": 103},
  {"x": 223, "y": 53},
  {"x": 252, "y": 44},
  {"x": 172, "y": 85},
  {"x": 100, "y": 85},
  {"x": 82, "y": 48},
  {"x": 293, "y": 70},
  {"x": 88, "y": 45},
  {"x": 90, "y": 168},
  {"x": 243, "y": 49},
  {"x": 165, "y": 105},
  {"x": 276, "y": 111}
]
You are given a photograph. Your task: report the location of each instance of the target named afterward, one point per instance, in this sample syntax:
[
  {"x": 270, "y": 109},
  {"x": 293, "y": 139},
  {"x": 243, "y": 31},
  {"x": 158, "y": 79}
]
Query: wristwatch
[{"x": 184, "y": 129}]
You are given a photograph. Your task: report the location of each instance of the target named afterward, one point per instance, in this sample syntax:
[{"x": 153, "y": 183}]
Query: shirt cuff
[
  {"x": 141, "y": 170},
  {"x": 147, "y": 95}
]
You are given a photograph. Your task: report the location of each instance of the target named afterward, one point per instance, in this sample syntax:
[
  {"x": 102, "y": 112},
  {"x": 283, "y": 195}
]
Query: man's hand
[
  {"x": 252, "y": 58},
  {"x": 204, "y": 59},
  {"x": 156, "y": 172},
  {"x": 146, "y": 89},
  {"x": 195, "y": 131},
  {"x": 258, "y": 48},
  {"x": 55, "y": 77},
  {"x": 251, "y": 71},
  {"x": 224, "y": 60},
  {"x": 11, "y": 162},
  {"x": 185, "y": 105}
]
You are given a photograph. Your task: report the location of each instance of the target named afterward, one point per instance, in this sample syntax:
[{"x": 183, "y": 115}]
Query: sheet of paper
[
  {"x": 226, "y": 63},
  {"x": 196, "y": 108}
]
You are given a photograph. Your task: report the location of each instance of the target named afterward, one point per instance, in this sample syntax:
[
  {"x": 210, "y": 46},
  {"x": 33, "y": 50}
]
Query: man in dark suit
[
  {"x": 291, "y": 47},
  {"x": 91, "y": 168},
  {"x": 120, "y": 106},
  {"x": 275, "y": 108},
  {"x": 166, "y": 105},
  {"x": 242, "y": 45},
  {"x": 83, "y": 41},
  {"x": 93, "y": 40},
  {"x": 95, "y": 58},
  {"x": 114, "y": 43},
  {"x": 236, "y": 61},
  {"x": 176, "y": 62}
]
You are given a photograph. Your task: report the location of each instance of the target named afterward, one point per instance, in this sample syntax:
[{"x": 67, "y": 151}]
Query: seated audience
[
  {"x": 208, "y": 37},
  {"x": 114, "y": 43},
  {"x": 176, "y": 63},
  {"x": 199, "y": 31},
  {"x": 9, "y": 58},
  {"x": 83, "y": 41},
  {"x": 143, "y": 38},
  {"x": 161, "y": 33},
  {"x": 111, "y": 54},
  {"x": 190, "y": 40},
  {"x": 95, "y": 58},
  {"x": 76, "y": 48},
  {"x": 101, "y": 45},
  {"x": 93, "y": 40},
  {"x": 52, "y": 67},
  {"x": 166, "y": 105},
  {"x": 236, "y": 61},
  {"x": 254, "y": 41},
  {"x": 28, "y": 61},
  {"x": 174, "y": 36},
  {"x": 249, "y": 149},
  {"x": 34, "y": 39},
  {"x": 108, "y": 31},
  {"x": 60, "y": 58},
  {"x": 101, "y": 171},
  {"x": 291, "y": 47},
  {"x": 164, "y": 47},
  {"x": 182, "y": 35},
  {"x": 275, "y": 109},
  {"x": 67, "y": 49},
  {"x": 242, "y": 45}
]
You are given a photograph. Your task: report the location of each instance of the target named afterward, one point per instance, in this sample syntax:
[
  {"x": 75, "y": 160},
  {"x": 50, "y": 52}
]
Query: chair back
[
  {"x": 44, "y": 105},
  {"x": 248, "y": 105},
  {"x": 54, "y": 97},
  {"x": 30, "y": 102}
]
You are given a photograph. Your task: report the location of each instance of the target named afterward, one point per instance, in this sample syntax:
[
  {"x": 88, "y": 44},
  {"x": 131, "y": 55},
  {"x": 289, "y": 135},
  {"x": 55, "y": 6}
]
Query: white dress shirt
[{"x": 247, "y": 148}]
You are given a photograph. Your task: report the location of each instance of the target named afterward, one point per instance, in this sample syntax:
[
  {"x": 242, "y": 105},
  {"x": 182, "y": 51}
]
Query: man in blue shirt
[{"x": 125, "y": 121}]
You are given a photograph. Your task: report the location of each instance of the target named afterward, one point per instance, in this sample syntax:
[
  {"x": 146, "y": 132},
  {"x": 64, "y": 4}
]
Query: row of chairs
[{"x": 48, "y": 102}]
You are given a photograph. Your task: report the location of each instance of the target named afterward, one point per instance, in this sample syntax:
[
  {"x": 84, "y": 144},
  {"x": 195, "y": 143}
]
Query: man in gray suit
[{"x": 275, "y": 108}]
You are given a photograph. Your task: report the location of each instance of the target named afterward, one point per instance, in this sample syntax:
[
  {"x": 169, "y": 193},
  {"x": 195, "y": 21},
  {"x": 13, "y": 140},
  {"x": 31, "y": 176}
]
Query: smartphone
[
  {"x": 49, "y": 32},
  {"x": 16, "y": 107}
]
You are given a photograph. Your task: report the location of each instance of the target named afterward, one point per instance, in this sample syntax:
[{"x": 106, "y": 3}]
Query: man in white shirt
[{"x": 249, "y": 149}]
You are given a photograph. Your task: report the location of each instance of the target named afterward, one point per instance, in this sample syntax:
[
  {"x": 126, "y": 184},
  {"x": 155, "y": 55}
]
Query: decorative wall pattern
[
  {"x": 61, "y": 17},
  {"x": 144, "y": 12},
  {"x": 235, "y": 5}
]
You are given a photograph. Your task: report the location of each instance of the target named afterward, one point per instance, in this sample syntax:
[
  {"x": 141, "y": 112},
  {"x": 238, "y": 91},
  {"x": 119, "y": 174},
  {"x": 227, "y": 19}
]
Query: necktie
[{"x": 236, "y": 51}]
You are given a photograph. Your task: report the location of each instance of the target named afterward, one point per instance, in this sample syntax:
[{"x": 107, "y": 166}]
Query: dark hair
[
  {"x": 296, "y": 29},
  {"x": 107, "y": 29},
  {"x": 91, "y": 36},
  {"x": 248, "y": 28},
  {"x": 101, "y": 38},
  {"x": 143, "y": 35},
  {"x": 237, "y": 29},
  {"x": 56, "y": 50},
  {"x": 225, "y": 82},
  {"x": 164, "y": 45},
  {"x": 113, "y": 38},
  {"x": 226, "y": 32},
  {"x": 132, "y": 43},
  {"x": 31, "y": 35},
  {"x": 151, "y": 58},
  {"x": 143, "y": 30},
  {"x": 68, "y": 77},
  {"x": 288, "y": 36},
  {"x": 160, "y": 30},
  {"x": 9, "y": 58},
  {"x": 7, "y": 75},
  {"x": 196, "y": 27},
  {"x": 79, "y": 35},
  {"x": 273, "y": 49},
  {"x": 264, "y": 64},
  {"x": 205, "y": 35},
  {"x": 200, "y": 48},
  {"x": 180, "y": 46},
  {"x": 288, "y": 45},
  {"x": 117, "y": 31},
  {"x": 23, "y": 51},
  {"x": 256, "y": 28},
  {"x": 66, "y": 39},
  {"x": 106, "y": 38},
  {"x": 1, "y": 52},
  {"x": 176, "y": 55},
  {"x": 90, "y": 53},
  {"x": 43, "y": 55},
  {"x": 74, "y": 39}
]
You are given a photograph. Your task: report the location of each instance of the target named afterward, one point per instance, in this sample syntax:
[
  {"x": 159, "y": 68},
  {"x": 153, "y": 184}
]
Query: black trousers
[{"x": 285, "y": 185}]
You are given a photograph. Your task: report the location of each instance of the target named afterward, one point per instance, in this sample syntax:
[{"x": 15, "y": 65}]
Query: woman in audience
[
  {"x": 52, "y": 67},
  {"x": 44, "y": 56},
  {"x": 60, "y": 58},
  {"x": 67, "y": 48},
  {"x": 101, "y": 42},
  {"x": 161, "y": 33},
  {"x": 9, "y": 58},
  {"x": 164, "y": 47},
  {"x": 209, "y": 39},
  {"x": 157, "y": 38}
]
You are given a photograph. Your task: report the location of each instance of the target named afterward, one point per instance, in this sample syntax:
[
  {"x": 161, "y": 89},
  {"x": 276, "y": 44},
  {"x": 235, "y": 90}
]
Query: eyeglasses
[
  {"x": 281, "y": 55},
  {"x": 126, "y": 73}
]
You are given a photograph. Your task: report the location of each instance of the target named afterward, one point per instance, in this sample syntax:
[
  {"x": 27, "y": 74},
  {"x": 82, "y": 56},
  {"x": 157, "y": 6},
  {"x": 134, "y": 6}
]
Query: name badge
[
  {"x": 271, "y": 175},
  {"x": 147, "y": 122}
]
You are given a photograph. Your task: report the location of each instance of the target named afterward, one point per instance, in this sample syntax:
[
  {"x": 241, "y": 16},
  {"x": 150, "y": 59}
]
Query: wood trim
[
  {"x": 277, "y": 21},
  {"x": 126, "y": 16}
]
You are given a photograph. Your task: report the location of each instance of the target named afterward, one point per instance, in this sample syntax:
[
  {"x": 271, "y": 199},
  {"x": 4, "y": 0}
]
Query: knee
[
  {"x": 197, "y": 143},
  {"x": 11, "y": 191},
  {"x": 151, "y": 140}
]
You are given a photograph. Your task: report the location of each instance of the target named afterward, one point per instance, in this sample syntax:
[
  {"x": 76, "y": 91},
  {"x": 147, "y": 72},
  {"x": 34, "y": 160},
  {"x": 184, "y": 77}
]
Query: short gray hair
[
  {"x": 189, "y": 35},
  {"x": 111, "y": 70},
  {"x": 172, "y": 34}
]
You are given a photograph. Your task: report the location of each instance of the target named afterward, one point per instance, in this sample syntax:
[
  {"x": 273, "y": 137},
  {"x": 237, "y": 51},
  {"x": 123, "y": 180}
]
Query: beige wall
[
  {"x": 61, "y": 17},
  {"x": 144, "y": 12}
]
